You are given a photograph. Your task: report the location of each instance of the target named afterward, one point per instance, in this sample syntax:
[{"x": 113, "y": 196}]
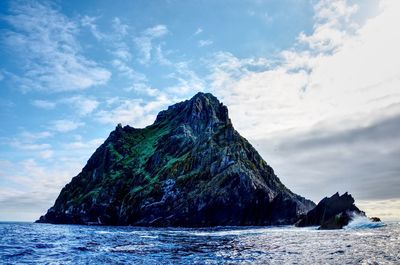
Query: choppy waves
[{"x": 28, "y": 243}]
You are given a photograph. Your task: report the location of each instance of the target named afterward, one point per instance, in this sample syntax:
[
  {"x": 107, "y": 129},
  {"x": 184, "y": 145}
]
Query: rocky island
[{"x": 189, "y": 168}]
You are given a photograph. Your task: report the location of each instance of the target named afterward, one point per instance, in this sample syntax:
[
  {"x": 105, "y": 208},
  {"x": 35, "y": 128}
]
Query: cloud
[
  {"x": 309, "y": 85},
  {"x": 122, "y": 53},
  {"x": 30, "y": 146},
  {"x": 198, "y": 31},
  {"x": 325, "y": 112},
  {"x": 49, "y": 54},
  {"x": 65, "y": 125},
  {"x": 46, "y": 154},
  {"x": 38, "y": 186},
  {"x": 91, "y": 145},
  {"x": 203, "y": 43},
  {"x": 388, "y": 210},
  {"x": 134, "y": 112},
  {"x": 81, "y": 104},
  {"x": 324, "y": 160},
  {"x": 89, "y": 22},
  {"x": 120, "y": 28},
  {"x": 34, "y": 136},
  {"x": 128, "y": 72},
  {"x": 44, "y": 104},
  {"x": 145, "y": 41},
  {"x": 186, "y": 80}
]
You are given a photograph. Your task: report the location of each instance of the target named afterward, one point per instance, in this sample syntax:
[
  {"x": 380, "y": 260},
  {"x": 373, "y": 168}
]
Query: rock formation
[
  {"x": 190, "y": 168},
  {"x": 331, "y": 213}
]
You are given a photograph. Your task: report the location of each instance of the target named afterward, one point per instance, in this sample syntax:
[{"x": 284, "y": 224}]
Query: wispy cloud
[
  {"x": 145, "y": 41},
  {"x": 203, "y": 43},
  {"x": 79, "y": 144},
  {"x": 44, "y": 104},
  {"x": 65, "y": 125},
  {"x": 186, "y": 79},
  {"x": 119, "y": 27},
  {"x": 198, "y": 31},
  {"x": 90, "y": 23},
  {"x": 32, "y": 143},
  {"x": 45, "y": 43},
  {"x": 82, "y": 105},
  {"x": 31, "y": 147},
  {"x": 134, "y": 112},
  {"x": 128, "y": 71}
]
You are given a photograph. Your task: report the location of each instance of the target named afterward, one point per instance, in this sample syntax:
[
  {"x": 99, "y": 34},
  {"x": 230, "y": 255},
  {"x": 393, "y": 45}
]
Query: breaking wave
[{"x": 363, "y": 222}]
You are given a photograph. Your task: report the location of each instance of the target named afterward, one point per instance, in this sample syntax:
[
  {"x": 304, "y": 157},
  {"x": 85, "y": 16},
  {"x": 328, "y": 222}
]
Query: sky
[{"x": 313, "y": 85}]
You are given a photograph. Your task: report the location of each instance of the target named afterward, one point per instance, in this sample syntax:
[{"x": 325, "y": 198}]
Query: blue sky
[{"x": 314, "y": 85}]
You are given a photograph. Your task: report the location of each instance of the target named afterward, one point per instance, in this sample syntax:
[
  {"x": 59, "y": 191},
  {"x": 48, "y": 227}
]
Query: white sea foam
[{"x": 362, "y": 222}]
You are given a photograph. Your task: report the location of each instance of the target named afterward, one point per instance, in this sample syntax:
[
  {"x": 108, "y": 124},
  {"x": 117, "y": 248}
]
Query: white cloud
[
  {"x": 122, "y": 53},
  {"x": 134, "y": 112},
  {"x": 65, "y": 125},
  {"x": 89, "y": 22},
  {"x": 186, "y": 80},
  {"x": 46, "y": 154},
  {"x": 203, "y": 43},
  {"x": 156, "y": 31},
  {"x": 81, "y": 104},
  {"x": 120, "y": 28},
  {"x": 49, "y": 52},
  {"x": 44, "y": 104},
  {"x": 29, "y": 146},
  {"x": 198, "y": 31},
  {"x": 145, "y": 41},
  {"x": 31, "y": 137},
  {"x": 79, "y": 144},
  {"x": 340, "y": 76},
  {"x": 127, "y": 71}
]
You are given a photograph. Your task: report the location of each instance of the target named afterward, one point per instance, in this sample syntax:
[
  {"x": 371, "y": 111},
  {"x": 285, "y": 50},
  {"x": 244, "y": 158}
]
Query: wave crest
[{"x": 363, "y": 222}]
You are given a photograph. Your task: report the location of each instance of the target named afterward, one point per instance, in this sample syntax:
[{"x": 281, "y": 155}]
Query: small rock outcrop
[
  {"x": 331, "y": 213},
  {"x": 189, "y": 168},
  {"x": 375, "y": 219}
]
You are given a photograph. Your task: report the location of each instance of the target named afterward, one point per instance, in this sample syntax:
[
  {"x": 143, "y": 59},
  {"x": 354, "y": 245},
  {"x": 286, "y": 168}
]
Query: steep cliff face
[{"x": 189, "y": 168}]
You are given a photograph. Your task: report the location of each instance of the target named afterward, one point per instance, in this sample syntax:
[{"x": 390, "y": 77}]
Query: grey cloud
[{"x": 363, "y": 161}]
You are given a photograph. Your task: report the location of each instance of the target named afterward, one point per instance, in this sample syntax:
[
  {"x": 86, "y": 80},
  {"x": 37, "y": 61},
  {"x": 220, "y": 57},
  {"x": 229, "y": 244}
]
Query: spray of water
[{"x": 361, "y": 221}]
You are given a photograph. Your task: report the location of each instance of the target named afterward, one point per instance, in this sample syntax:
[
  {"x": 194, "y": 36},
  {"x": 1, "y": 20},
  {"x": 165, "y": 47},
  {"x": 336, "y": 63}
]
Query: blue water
[{"x": 28, "y": 243}]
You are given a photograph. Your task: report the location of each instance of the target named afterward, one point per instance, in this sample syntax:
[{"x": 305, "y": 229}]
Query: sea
[{"x": 361, "y": 242}]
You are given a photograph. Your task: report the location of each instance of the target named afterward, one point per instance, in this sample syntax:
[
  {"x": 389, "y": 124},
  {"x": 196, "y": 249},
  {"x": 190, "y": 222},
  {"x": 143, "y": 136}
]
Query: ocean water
[{"x": 362, "y": 242}]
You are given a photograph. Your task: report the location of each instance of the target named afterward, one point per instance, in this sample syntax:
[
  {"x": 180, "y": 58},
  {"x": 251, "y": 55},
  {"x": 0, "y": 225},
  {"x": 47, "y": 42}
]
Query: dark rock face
[
  {"x": 189, "y": 168},
  {"x": 375, "y": 219},
  {"x": 331, "y": 213}
]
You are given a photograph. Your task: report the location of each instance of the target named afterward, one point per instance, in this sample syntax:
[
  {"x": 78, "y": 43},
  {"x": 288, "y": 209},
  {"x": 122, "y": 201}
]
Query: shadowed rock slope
[{"x": 190, "y": 168}]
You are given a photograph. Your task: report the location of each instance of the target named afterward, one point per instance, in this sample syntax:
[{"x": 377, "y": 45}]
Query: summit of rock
[{"x": 203, "y": 109}]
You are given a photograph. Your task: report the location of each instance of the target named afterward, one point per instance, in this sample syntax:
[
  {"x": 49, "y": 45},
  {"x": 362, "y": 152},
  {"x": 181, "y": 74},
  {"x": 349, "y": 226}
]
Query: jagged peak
[{"x": 202, "y": 107}]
